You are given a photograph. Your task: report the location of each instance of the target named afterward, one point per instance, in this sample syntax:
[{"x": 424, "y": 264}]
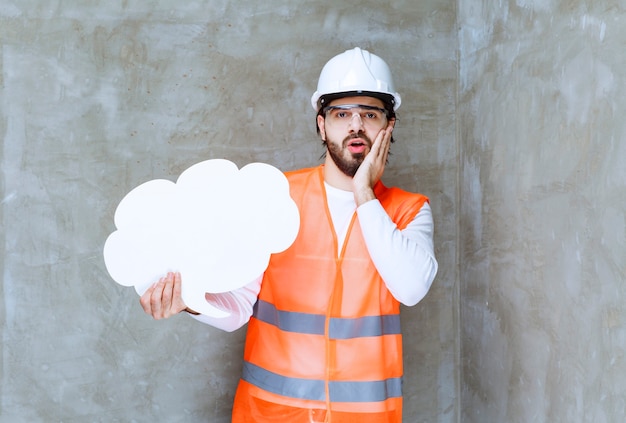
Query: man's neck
[{"x": 334, "y": 177}]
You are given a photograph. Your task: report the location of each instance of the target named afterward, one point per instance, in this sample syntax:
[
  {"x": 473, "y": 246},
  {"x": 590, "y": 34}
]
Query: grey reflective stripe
[
  {"x": 289, "y": 321},
  {"x": 314, "y": 389},
  {"x": 365, "y": 326},
  {"x": 309, "y": 389},
  {"x": 338, "y": 329},
  {"x": 379, "y": 390}
]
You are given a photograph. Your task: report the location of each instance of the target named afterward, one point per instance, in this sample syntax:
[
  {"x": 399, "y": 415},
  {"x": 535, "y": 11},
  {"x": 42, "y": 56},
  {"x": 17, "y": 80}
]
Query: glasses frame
[{"x": 348, "y": 107}]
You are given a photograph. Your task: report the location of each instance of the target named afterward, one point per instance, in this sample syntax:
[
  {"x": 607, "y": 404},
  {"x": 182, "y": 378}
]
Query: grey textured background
[
  {"x": 543, "y": 196},
  {"x": 511, "y": 122}
]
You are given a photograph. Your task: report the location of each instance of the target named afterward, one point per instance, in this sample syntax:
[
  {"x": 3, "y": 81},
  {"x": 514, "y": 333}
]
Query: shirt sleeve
[
  {"x": 405, "y": 259},
  {"x": 237, "y": 303}
]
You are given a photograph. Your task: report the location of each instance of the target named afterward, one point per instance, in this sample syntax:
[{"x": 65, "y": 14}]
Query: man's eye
[
  {"x": 371, "y": 115},
  {"x": 342, "y": 115}
]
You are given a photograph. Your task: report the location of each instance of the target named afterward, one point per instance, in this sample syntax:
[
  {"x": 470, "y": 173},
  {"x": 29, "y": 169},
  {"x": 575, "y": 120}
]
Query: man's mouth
[{"x": 357, "y": 146}]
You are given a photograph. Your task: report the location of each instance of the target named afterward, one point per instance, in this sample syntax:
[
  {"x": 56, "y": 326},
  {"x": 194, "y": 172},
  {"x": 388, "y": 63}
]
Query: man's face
[{"x": 349, "y": 126}]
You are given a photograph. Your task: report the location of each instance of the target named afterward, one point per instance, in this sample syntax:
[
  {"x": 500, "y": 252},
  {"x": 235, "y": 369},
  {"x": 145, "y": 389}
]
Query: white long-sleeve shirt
[{"x": 405, "y": 259}]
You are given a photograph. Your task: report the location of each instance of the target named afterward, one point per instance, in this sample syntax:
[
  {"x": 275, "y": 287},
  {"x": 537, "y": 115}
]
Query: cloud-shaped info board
[{"x": 217, "y": 226}]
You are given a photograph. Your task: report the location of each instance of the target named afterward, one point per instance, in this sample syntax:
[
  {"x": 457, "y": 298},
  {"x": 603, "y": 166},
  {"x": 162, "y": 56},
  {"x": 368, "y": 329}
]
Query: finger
[
  {"x": 156, "y": 299},
  {"x": 380, "y": 148},
  {"x": 166, "y": 299},
  {"x": 178, "y": 292},
  {"x": 372, "y": 156},
  {"x": 385, "y": 142},
  {"x": 379, "y": 159},
  {"x": 144, "y": 300},
  {"x": 378, "y": 141}
]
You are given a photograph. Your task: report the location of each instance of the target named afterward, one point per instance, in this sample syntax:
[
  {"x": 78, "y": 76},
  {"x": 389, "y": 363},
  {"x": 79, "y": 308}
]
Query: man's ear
[{"x": 321, "y": 126}]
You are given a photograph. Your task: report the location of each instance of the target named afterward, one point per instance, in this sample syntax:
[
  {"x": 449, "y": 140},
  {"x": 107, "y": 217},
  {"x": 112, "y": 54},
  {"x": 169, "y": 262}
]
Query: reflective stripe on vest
[
  {"x": 314, "y": 324},
  {"x": 308, "y": 389}
]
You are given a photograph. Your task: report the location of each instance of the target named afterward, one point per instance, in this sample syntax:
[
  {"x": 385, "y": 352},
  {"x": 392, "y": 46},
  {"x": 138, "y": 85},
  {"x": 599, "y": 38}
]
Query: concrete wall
[
  {"x": 542, "y": 228},
  {"x": 98, "y": 97}
]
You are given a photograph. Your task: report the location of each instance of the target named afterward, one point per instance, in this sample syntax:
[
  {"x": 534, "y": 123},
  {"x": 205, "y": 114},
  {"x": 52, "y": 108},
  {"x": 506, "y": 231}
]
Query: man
[{"x": 323, "y": 341}]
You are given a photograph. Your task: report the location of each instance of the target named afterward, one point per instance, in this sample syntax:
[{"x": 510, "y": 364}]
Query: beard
[{"x": 347, "y": 162}]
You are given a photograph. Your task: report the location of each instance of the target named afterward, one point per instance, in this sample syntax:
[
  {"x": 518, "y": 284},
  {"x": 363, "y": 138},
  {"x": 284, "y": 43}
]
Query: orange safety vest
[{"x": 325, "y": 331}]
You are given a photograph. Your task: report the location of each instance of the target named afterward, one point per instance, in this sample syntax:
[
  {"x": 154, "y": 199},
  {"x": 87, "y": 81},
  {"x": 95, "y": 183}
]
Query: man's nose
[{"x": 356, "y": 125}]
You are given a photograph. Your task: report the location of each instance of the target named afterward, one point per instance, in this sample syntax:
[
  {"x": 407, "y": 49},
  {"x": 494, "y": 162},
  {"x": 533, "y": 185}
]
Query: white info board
[{"x": 217, "y": 226}]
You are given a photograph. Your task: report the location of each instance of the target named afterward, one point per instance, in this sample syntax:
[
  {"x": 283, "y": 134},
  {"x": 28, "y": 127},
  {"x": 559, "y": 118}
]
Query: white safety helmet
[{"x": 357, "y": 72}]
